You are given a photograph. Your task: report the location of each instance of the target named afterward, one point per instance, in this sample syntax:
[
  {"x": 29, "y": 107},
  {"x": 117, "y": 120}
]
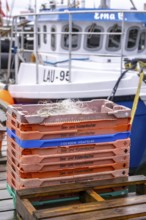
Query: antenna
[{"x": 134, "y": 7}]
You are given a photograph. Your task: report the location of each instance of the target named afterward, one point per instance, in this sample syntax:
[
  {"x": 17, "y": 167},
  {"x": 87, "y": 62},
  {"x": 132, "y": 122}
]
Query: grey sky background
[{"x": 22, "y": 5}]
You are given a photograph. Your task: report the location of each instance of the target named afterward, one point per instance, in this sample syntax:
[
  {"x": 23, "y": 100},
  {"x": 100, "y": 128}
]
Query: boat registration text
[{"x": 51, "y": 76}]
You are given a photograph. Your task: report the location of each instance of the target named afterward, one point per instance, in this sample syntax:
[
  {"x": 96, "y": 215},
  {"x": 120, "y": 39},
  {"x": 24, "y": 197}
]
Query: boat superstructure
[
  {"x": 81, "y": 54},
  {"x": 73, "y": 47}
]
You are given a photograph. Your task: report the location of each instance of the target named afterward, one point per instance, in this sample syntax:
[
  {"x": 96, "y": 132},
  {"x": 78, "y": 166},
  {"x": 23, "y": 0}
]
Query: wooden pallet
[{"x": 90, "y": 204}]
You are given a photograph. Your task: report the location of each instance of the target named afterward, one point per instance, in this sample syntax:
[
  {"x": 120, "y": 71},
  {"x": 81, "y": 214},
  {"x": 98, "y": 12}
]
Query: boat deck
[{"x": 7, "y": 210}]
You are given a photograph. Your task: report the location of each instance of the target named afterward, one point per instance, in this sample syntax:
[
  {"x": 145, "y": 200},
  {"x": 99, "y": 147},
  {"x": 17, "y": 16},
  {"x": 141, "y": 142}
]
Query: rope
[{"x": 129, "y": 65}]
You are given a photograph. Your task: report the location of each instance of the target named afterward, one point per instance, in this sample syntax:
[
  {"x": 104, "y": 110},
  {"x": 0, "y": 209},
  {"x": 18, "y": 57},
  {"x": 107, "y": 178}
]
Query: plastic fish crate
[
  {"x": 17, "y": 182},
  {"x": 65, "y": 126},
  {"x": 67, "y": 141},
  {"x": 37, "y": 155},
  {"x": 68, "y": 158},
  {"x": 70, "y": 171},
  {"x": 112, "y": 163},
  {"x": 33, "y": 135},
  {"x": 98, "y": 109}
]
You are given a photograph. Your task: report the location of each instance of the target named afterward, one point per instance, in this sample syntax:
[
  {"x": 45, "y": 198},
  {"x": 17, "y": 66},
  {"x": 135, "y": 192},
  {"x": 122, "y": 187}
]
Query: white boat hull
[{"x": 85, "y": 83}]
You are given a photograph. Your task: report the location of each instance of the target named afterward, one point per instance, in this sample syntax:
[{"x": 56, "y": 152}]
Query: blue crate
[{"x": 67, "y": 141}]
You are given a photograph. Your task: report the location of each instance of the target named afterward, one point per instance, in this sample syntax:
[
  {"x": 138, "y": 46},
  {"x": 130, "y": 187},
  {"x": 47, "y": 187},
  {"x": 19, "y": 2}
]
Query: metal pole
[
  {"x": 16, "y": 51},
  {"x": 82, "y": 3},
  {"x": 36, "y": 43},
  {"x": 68, "y": 3},
  {"x": 70, "y": 45},
  {"x": 122, "y": 39},
  {"x": 10, "y": 55},
  {"x": 104, "y": 4}
]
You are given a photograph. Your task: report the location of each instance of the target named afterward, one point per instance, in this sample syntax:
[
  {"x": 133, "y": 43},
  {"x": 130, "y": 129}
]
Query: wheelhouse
[{"x": 99, "y": 33}]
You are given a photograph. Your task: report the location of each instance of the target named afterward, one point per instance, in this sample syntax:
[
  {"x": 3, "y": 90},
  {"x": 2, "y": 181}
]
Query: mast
[
  {"x": 1, "y": 14},
  {"x": 104, "y": 4},
  {"x": 82, "y": 3}
]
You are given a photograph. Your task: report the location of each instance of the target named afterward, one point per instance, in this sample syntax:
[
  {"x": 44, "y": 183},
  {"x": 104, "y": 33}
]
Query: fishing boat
[{"x": 85, "y": 53}]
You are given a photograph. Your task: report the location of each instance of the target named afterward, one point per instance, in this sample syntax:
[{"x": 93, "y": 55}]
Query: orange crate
[
  {"x": 90, "y": 110},
  {"x": 45, "y": 167},
  {"x": 70, "y": 157},
  {"x": 72, "y": 171},
  {"x": 56, "y": 154},
  {"x": 12, "y": 176},
  {"x": 65, "y": 126},
  {"x": 39, "y": 135},
  {"x": 16, "y": 186}
]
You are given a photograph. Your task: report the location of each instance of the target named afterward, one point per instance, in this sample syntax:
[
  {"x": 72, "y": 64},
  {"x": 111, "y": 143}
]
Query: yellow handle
[{"x": 135, "y": 103}]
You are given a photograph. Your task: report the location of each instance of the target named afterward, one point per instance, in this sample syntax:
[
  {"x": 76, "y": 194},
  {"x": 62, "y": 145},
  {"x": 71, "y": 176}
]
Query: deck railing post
[
  {"x": 122, "y": 40},
  {"x": 16, "y": 49},
  {"x": 36, "y": 42},
  {"x": 70, "y": 45},
  {"x": 10, "y": 54}
]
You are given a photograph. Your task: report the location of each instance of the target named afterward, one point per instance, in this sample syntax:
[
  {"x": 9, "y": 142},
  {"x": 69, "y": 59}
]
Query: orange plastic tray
[
  {"x": 74, "y": 132},
  {"x": 69, "y": 153},
  {"x": 12, "y": 183},
  {"x": 95, "y": 109},
  {"x": 16, "y": 185},
  {"x": 14, "y": 178},
  {"x": 57, "y": 158},
  {"x": 51, "y": 166},
  {"x": 65, "y": 126},
  {"x": 84, "y": 169}
]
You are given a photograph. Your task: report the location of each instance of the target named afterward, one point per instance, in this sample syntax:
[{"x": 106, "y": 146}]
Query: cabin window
[
  {"x": 114, "y": 40},
  {"x": 39, "y": 38},
  {"x": 132, "y": 38},
  {"x": 93, "y": 40},
  {"x": 45, "y": 34},
  {"x": 53, "y": 38},
  {"x": 142, "y": 41},
  {"x": 75, "y": 37}
]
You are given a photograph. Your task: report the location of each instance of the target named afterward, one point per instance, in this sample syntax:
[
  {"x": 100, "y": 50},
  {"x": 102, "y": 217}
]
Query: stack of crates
[{"x": 48, "y": 149}]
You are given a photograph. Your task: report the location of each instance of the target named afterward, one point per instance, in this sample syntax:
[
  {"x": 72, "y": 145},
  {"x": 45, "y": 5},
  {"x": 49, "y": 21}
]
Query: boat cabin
[{"x": 93, "y": 31}]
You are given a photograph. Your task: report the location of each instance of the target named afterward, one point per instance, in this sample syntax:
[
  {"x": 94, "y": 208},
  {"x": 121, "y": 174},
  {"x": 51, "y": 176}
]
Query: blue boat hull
[{"x": 138, "y": 134}]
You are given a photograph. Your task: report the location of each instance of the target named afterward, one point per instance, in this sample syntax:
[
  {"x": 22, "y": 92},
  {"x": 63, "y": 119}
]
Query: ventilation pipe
[{"x": 104, "y": 4}]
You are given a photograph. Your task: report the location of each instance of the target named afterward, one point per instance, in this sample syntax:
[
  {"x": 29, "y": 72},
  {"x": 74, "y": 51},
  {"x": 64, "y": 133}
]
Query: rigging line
[
  {"x": 133, "y": 66},
  {"x": 112, "y": 95}
]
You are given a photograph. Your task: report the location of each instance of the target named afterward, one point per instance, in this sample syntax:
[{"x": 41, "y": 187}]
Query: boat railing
[{"x": 18, "y": 32}]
